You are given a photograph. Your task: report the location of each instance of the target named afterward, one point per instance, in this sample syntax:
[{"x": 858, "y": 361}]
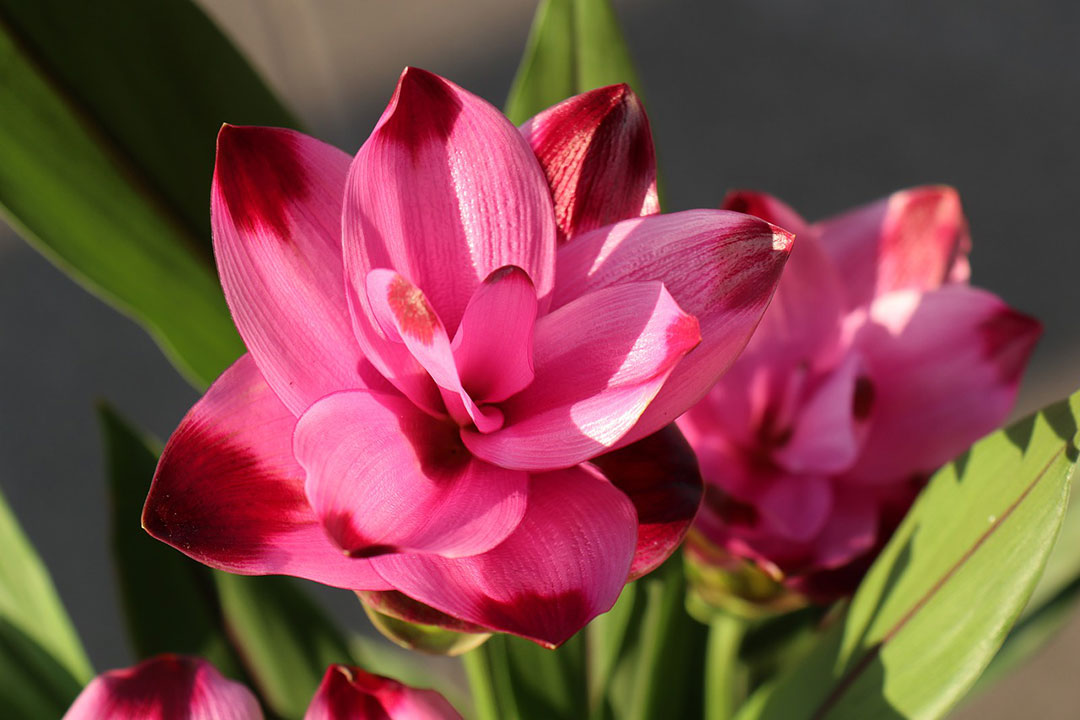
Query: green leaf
[
  {"x": 546, "y": 683},
  {"x": 939, "y": 600},
  {"x": 169, "y": 601},
  {"x": 285, "y": 640},
  {"x": 658, "y": 672},
  {"x": 607, "y": 637},
  {"x": 573, "y": 46},
  {"x": 1051, "y": 604},
  {"x": 110, "y": 112},
  {"x": 42, "y": 662}
]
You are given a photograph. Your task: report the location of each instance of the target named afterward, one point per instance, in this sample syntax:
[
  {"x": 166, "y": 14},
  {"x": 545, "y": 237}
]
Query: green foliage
[
  {"x": 42, "y": 662},
  {"x": 106, "y": 152},
  {"x": 938, "y": 602},
  {"x": 574, "y": 46},
  {"x": 285, "y": 639}
]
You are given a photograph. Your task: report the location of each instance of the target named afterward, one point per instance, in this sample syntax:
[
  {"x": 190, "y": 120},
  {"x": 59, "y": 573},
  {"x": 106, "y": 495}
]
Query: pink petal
[
  {"x": 912, "y": 240},
  {"x": 445, "y": 191},
  {"x": 660, "y": 476},
  {"x": 406, "y": 316},
  {"x": 564, "y": 564},
  {"x": 945, "y": 367},
  {"x": 597, "y": 153},
  {"x": 276, "y": 217},
  {"x": 493, "y": 347},
  {"x": 386, "y": 477},
  {"x": 802, "y": 324},
  {"x": 165, "y": 687},
  {"x": 599, "y": 362},
  {"x": 350, "y": 693},
  {"x": 851, "y": 529},
  {"x": 796, "y": 507},
  {"x": 770, "y": 209},
  {"x": 229, "y": 494},
  {"x": 826, "y": 436},
  {"x": 721, "y": 267}
]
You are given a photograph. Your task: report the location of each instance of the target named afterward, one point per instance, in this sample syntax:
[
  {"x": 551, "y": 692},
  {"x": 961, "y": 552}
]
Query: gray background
[{"x": 826, "y": 104}]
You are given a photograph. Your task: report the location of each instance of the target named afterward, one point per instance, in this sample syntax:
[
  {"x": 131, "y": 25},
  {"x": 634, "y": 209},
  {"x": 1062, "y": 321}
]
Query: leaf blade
[
  {"x": 913, "y": 642},
  {"x": 119, "y": 199},
  {"x": 573, "y": 46},
  {"x": 42, "y": 660}
]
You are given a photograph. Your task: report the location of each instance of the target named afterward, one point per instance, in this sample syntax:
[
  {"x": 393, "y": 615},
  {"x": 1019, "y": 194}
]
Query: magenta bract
[
  {"x": 163, "y": 688},
  {"x": 443, "y": 332},
  {"x": 875, "y": 364},
  {"x": 168, "y": 687}
]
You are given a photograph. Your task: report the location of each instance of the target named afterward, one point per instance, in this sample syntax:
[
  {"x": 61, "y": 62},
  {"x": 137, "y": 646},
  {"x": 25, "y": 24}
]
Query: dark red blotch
[{"x": 259, "y": 173}]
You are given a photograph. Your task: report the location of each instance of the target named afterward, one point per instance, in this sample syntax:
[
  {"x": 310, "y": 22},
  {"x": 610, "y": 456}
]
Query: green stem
[
  {"x": 723, "y": 672},
  {"x": 478, "y": 669},
  {"x": 662, "y": 642}
]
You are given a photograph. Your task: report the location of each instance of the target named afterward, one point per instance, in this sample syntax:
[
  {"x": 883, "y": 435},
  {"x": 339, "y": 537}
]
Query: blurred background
[{"x": 827, "y": 105}]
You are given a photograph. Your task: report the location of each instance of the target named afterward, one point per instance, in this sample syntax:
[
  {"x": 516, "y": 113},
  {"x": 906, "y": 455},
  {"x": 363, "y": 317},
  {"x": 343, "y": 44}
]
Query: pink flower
[
  {"x": 875, "y": 364},
  {"x": 437, "y": 351},
  {"x": 167, "y": 687},
  {"x": 349, "y": 693},
  {"x": 164, "y": 688}
]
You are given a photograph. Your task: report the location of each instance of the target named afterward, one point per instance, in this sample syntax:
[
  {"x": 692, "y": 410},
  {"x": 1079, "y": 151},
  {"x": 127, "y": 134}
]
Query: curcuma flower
[
  {"x": 162, "y": 688},
  {"x": 446, "y": 338},
  {"x": 167, "y": 687},
  {"x": 875, "y": 364}
]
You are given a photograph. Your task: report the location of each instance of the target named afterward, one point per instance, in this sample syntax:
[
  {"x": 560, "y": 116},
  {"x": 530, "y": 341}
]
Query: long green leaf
[
  {"x": 284, "y": 639},
  {"x": 1051, "y": 606},
  {"x": 169, "y": 600},
  {"x": 574, "y": 46},
  {"x": 940, "y": 599},
  {"x": 42, "y": 662},
  {"x": 110, "y": 110}
]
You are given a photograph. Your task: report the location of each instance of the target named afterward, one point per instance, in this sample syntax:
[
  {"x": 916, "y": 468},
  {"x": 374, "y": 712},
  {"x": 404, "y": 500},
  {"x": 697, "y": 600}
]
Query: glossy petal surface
[
  {"x": 445, "y": 191},
  {"x": 564, "y": 564},
  {"x": 386, "y": 477},
  {"x": 597, "y": 153},
  {"x": 276, "y": 216},
  {"x": 719, "y": 266},
  {"x": 599, "y": 361}
]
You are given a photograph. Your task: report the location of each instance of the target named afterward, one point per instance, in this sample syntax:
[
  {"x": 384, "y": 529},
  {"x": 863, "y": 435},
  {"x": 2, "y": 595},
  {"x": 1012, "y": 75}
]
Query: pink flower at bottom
[
  {"x": 349, "y": 693},
  {"x": 447, "y": 338},
  {"x": 166, "y": 687},
  {"x": 875, "y": 364}
]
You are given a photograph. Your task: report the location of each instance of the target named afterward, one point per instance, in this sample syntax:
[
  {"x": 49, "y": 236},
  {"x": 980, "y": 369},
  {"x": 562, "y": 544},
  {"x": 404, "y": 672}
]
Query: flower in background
[
  {"x": 167, "y": 687},
  {"x": 163, "y": 688},
  {"x": 446, "y": 341},
  {"x": 875, "y": 364}
]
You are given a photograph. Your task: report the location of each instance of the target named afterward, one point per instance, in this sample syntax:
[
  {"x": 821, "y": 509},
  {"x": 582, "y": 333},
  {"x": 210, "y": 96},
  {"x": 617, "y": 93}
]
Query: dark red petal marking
[
  {"x": 660, "y": 475},
  {"x": 258, "y": 173},
  {"x": 1008, "y": 337},
  {"x": 862, "y": 402},
  {"x": 204, "y": 525},
  {"x": 596, "y": 150},
  {"x": 348, "y": 693},
  {"x": 426, "y": 110}
]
